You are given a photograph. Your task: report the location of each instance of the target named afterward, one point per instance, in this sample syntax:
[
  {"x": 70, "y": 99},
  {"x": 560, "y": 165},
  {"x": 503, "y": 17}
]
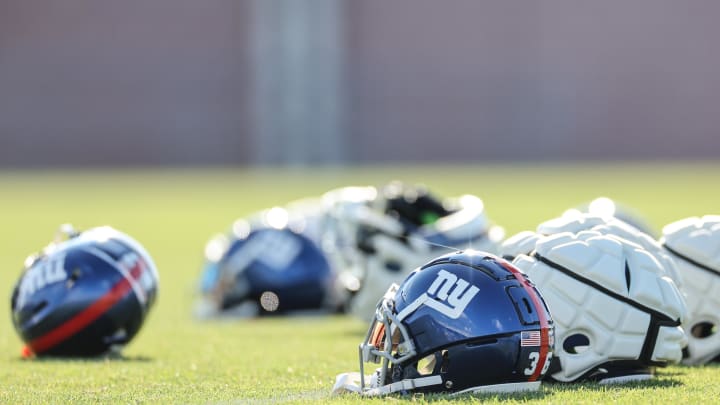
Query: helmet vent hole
[
  {"x": 703, "y": 330},
  {"x": 576, "y": 344},
  {"x": 627, "y": 275},
  {"x": 393, "y": 266},
  {"x": 527, "y": 305}
]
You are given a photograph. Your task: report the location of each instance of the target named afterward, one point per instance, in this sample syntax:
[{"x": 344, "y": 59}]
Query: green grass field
[{"x": 176, "y": 359}]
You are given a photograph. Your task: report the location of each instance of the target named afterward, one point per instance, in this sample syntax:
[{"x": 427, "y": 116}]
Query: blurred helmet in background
[
  {"x": 617, "y": 315},
  {"x": 608, "y": 208},
  {"x": 465, "y": 322},
  {"x": 85, "y": 295},
  {"x": 694, "y": 243},
  {"x": 377, "y": 237},
  {"x": 265, "y": 267}
]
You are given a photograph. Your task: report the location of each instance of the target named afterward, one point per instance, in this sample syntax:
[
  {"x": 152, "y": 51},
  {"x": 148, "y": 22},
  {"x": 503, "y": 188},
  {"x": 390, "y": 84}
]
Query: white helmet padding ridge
[
  {"x": 616, "y": 312},
  {"x": 695, "y": 245},
  {"x": 574, "y": 222},
  {"x": 608, "y": 208},
  {"x": 522, "y": 243}
]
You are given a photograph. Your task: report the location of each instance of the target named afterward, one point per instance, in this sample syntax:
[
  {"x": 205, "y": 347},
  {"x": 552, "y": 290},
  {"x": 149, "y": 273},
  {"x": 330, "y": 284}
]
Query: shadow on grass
[
  {"x": 591, "y": 386},
  {"x": 546, "y": 392},
  {"x": 548, "y": 389},
  {"x": 107, "y": 358},
  {"x": 671, "y": 373},
  {"x": 482, "y": 397}
]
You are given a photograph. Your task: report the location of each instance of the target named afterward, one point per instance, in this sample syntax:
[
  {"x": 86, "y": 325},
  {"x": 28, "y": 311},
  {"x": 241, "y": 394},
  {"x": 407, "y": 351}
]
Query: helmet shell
[
  {"x": 476, "y": 310},
  {"x": 277, "y": 268},
  {"x": 84, "y": 296}
]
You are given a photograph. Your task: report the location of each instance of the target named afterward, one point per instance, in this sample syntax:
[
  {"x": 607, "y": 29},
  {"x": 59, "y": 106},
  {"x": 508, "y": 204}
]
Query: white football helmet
[
  {"x": 617, "y": 314},
  {"x": 376, "y": 237},
  {"x": 695, "y": 245}
]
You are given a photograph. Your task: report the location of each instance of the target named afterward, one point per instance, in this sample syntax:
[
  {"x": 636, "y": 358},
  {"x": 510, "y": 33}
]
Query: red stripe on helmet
[
  {"x": 539, "y": 308},
  {"x": 81, "y": 320}
]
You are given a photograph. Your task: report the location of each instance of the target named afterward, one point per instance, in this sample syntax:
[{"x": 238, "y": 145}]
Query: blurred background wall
[{"x": 296, "y": 82}]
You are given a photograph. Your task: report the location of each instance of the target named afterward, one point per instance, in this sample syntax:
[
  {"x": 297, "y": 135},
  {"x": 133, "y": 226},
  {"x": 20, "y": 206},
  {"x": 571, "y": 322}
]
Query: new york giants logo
[
  {"x": 449, "y": 294},
  {"x": 40, "y": 275},
  {"x": 275, "y": 249}
]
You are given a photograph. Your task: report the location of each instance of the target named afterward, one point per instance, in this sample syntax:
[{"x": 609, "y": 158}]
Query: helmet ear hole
[
  {"x": 426, "y": 365},
  {"x": 445, "y": 362},
  {"x": 39, "y": 307},
  {"x": 576, "y": 344},
  {"x": 703, "y": 330}
]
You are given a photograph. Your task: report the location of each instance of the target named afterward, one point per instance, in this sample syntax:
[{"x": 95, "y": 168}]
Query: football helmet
[
  {"x": 617, "y": 315},
  {"x": 262, "y": 269},
  {"x": 377, "y": 236},
  {"x": 695, "y": 245},
  {"x": 464, "y": 322},
  {"x": 85, "y": 295}
]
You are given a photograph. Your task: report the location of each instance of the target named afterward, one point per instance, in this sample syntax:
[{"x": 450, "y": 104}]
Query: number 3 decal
[{"x": 534, "y": 357}]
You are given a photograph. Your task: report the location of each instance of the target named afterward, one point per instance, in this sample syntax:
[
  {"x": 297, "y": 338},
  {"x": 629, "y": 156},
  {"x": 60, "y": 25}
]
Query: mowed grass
[{"x": 177, "y": 359}]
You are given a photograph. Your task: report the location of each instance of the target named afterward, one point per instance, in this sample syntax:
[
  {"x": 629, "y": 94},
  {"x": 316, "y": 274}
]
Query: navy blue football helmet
[
  {"x": 465, "y": 322},
  {"x": 264, "y": 271},
  {"x": 84, "y": 296}
]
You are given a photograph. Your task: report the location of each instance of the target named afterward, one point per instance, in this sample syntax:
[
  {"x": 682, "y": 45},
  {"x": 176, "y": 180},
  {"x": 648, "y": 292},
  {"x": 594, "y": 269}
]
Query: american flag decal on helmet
[{"x": 530, "y": 338}]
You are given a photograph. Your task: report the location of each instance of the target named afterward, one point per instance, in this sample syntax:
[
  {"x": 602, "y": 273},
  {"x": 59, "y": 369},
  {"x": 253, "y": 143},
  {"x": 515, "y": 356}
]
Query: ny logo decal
[{"x": 449, "y": 294}]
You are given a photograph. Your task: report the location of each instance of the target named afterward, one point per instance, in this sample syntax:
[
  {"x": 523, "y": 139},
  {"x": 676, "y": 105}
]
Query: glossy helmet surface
[
  {"x": 695, "y": 245},
  {"x": 465, "y": 322},
  {"x": 380, "y": 236},
  {"x": 617, "y": 314},
  {"x": 262, "y": 270},
  {"x": 84, "y": 296}
]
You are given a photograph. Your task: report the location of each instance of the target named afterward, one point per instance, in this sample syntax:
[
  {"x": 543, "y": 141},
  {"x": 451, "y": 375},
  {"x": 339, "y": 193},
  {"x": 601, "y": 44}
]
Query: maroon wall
[
  {"x": 553, "y": 79},
  {"x": 85, "y": 82},
  {"x": 122, "y": 82}
]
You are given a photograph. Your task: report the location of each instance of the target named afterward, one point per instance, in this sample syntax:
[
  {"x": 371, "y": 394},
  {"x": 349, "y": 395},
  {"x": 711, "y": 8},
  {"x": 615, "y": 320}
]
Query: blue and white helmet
[
  {"x": 465, "y": 322},
  {"x": 266, "y": 266},
  {"x": 378, "y": 236},
  {"x": 694, "y": 243},
  {"x": 86, "y": 294}
]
